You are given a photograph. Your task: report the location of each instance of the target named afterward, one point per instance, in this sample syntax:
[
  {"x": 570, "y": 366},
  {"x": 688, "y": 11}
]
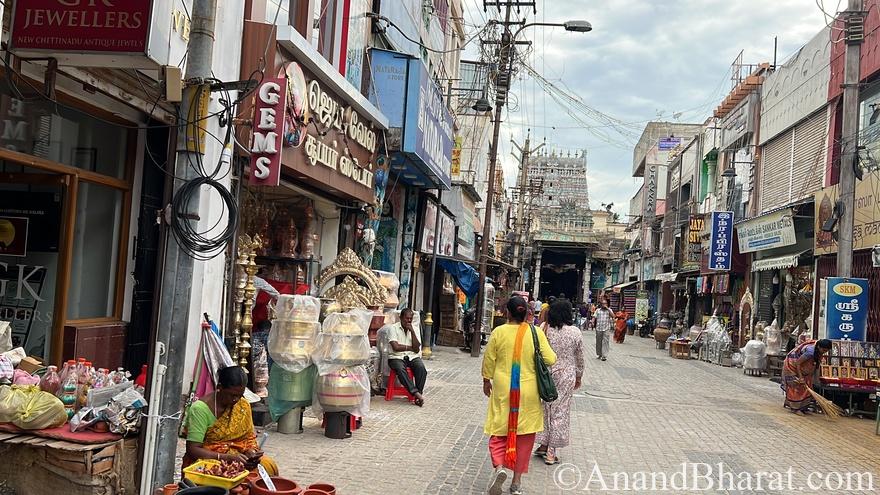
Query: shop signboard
[
  {"x": 269, "y": 112},
  {"x": 694, "y": 250},
  {"x": 846, "y": 308},
  {"x": 642, "y": 309},
  {"x": 770, "y": 231},
  {"x": 428, "y": 130},
  {"x": 721, "y": 240},
  {"x": 447, "y": 235},
  {"x": 337, "y": 147},
  {"x": 866, "y": 215},
  {"x": 739, "y": 122},
  {"x": 103, "y": 33}
]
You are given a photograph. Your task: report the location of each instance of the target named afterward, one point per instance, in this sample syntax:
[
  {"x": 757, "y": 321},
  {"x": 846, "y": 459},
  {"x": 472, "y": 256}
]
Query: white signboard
[{"x": 770, "y": 231}]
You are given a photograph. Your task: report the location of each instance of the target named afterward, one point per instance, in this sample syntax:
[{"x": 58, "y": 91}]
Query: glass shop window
[
  {"x": 92, "y": 290},
  {"x": 35, "y": 126}
]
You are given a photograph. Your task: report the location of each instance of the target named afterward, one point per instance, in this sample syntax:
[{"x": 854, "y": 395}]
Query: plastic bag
[
  {"x": 129, "y": 399},
  {"x": 29, "y": 408},
  {"x": 343, "y": 341},
  {"x": 289, "y": 390},
  {"x": 5, "y": 336},
  {"x": 292, "y": 343},
  {"x": 25, "y": 379},
  {"x": 12, "y": 399},
  {"x": 7, "y": 370},
  {"x": 297, "y": 308},
  {"x": 754, "y": 355},
  {"x": 347, "y": 390}
]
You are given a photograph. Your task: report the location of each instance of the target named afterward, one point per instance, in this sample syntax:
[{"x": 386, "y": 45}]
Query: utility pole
[
  {"x": 524, "y": 192},
  {"x": 854, "y": 34},
  {"x": 502, "y": 83},
  {"x": 177, "y": 272}
]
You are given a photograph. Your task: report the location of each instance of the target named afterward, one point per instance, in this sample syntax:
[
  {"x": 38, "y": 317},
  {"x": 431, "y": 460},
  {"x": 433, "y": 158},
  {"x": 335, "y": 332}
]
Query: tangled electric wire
[{"x": 199, "y": 244}]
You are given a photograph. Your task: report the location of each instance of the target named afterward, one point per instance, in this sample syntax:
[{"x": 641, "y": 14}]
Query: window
[{"x": 92, "y": 290}]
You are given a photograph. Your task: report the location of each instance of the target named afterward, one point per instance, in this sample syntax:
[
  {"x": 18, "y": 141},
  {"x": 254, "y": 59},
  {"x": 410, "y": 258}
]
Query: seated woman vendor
[{"x": 220, "y": 427}]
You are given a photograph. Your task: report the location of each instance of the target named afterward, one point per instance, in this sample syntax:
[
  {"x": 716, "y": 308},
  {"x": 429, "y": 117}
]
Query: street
[{"x": 640, "y": 411}]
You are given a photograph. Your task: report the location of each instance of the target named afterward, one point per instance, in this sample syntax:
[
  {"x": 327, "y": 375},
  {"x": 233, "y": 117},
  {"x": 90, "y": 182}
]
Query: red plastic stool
[{"x": 395, "y": 390}]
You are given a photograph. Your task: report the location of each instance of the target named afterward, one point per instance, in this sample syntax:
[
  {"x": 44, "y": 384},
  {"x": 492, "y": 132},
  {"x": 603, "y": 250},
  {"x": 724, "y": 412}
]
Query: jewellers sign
[
  {"x": 81, "y": 25},
  {"x": 101, "y": 33},
  {"x": 770, "y": 231},
  {"x": 428, "y": 131},
  {"x": 268, "y": 133}
]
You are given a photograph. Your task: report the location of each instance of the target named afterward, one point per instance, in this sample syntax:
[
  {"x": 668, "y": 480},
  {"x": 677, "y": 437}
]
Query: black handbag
[{"x": 546, "y": 385}]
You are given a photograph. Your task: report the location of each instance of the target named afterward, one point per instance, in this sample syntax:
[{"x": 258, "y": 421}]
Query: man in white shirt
[{"x": 406, "y": 351}]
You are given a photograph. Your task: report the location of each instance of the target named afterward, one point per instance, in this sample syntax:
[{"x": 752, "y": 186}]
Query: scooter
[{"x": 646, "y": 327}]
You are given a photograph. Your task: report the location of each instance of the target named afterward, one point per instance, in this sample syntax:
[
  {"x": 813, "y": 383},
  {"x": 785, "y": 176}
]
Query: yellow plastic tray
[{"x": 196, "y": 476}]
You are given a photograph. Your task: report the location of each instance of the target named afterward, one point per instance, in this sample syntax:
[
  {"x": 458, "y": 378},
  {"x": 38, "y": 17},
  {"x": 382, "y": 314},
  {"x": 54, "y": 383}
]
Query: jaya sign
[
  {"x": 268, "y": 133},
  {"x": 721, "y": 240},
  {"x": 81, "y": 25},
  {"x": 846, "y": 308},
  {"x": 773, "y": 230}
]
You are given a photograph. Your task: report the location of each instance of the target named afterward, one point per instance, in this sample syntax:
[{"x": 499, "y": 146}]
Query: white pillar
[
  {"x": 537, "y": 287},
  {"x": 588, "y": 273}
]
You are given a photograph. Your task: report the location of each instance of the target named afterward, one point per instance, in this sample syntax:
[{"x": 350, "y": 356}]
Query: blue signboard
[
  {"x": 428, "y": 131},
  {"x": 404, "y": 91},
  {"x": 721, "y": 242},
  {"x": 388, "y": 71},
  {"x": 668, "y": 143},
  {"x": 846, "y": 308}
]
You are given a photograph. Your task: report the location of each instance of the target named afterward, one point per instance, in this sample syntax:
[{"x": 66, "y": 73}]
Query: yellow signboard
[
  {"x": 866, "y": 223},
  {"x": 456, "y": 156}
]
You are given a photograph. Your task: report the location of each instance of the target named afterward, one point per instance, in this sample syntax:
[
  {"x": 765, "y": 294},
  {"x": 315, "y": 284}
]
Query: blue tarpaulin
[{"x": 465, "y": 276}]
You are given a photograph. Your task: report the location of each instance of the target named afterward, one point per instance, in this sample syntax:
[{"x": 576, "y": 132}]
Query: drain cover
[{"x": 602, "y": 394}]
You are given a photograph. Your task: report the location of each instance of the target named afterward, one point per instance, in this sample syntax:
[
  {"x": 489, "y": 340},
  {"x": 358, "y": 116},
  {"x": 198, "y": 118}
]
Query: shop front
[
  {"x": 866, "y": 236},
  {"x": 420, "y": 147},
  {"x": 780, "y": 243}
]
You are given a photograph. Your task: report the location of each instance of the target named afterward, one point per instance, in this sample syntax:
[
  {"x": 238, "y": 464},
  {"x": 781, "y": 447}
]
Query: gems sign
[
  {"x": 268, "y": 133},
  {"x": 846, "y": 308}
]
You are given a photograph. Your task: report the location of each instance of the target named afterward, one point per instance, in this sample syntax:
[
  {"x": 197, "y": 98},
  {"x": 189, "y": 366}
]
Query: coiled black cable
[{"x": 198, "y": 244}]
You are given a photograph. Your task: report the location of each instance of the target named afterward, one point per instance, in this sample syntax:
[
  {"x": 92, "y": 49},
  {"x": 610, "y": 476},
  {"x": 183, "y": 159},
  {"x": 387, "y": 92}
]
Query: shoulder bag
[{"x": 546, "y": 385}]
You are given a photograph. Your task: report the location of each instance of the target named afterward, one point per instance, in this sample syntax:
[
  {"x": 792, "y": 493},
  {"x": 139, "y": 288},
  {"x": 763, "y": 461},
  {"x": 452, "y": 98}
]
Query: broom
[{"x": 832, "y": 410}]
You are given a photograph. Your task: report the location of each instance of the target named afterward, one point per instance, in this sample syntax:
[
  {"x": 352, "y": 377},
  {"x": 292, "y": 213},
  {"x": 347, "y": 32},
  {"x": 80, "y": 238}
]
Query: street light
[{"x": 506, "y": 66}]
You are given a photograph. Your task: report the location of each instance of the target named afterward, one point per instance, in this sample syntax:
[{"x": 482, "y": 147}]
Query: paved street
[{"x": 639, "y": 411}]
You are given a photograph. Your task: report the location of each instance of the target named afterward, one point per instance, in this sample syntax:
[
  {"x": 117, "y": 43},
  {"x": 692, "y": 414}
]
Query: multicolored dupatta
[{"x": 513, "y": 416}]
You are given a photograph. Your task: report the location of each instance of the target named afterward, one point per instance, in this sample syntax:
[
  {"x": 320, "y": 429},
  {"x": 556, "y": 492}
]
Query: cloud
[{"x": 644, "y": 59}]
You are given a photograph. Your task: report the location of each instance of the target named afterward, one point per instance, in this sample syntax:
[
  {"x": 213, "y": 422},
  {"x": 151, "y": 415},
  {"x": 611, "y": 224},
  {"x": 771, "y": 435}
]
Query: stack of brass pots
[{"x": 294, "y": 330}]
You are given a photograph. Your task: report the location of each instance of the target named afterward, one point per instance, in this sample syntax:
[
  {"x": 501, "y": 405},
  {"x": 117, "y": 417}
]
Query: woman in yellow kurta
[{"x": 510, "y": 382}]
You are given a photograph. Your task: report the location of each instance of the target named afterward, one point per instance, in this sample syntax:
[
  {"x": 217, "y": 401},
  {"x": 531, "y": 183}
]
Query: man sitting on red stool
[{"x": 406, "y": 351}]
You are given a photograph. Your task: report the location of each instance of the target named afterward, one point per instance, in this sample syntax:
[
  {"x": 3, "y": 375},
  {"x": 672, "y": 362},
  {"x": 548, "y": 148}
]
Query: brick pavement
[{"x": 639, "y": 411}]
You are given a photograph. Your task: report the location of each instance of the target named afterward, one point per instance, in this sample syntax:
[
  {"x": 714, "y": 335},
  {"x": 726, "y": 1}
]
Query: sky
[{"x": 644, "y": 60}]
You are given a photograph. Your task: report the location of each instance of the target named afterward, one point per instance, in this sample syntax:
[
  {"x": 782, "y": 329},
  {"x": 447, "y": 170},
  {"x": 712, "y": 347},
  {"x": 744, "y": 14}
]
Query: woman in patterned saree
[
  {"x": 568, "y": 344},
  {"x": 797, "y": 374},
  {"x": 220, "y": 427}
]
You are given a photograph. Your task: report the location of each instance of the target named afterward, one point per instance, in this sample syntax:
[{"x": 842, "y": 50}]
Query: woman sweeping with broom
[{"x": 797, "y": 374}]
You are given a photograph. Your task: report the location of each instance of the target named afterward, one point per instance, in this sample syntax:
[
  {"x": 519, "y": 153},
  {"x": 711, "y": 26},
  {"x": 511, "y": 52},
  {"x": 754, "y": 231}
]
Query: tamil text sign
[
  {"x": 866, "y": 215},
  {"x": 721, "y": 240},
  {"x": 846, "y": 308},
  {"x": 773, "y": 230}
]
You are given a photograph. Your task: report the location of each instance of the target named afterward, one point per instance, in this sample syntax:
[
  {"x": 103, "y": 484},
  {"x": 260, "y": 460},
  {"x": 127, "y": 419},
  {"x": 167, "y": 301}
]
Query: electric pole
[
  {"x": 177, "y": 272},
  {"x": 525, "y": 192},
  {"x": 854, "y": 34},
  {"x": 502, "y": 84}
]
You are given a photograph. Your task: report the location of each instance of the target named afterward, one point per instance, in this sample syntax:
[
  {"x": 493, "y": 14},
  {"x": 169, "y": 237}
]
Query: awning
[
  {"x": 778, "y": 263},
  {"x": 465, "y": 276},
  {"x": 619, "y": 287},
  {"x": 667, "y": 277}
]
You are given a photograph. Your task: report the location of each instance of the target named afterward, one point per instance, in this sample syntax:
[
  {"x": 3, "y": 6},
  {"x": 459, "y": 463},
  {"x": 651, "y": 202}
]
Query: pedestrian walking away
[
  {"x": 620, "y": 326},
  {"x": 510, "y": 382},
  {"x": 603, "y": 319},
  {"x": 568, "y": 344}
]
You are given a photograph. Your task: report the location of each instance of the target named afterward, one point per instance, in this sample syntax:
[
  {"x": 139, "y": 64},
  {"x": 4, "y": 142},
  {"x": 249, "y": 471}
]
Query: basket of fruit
[{"x": 222, "y": 474}]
